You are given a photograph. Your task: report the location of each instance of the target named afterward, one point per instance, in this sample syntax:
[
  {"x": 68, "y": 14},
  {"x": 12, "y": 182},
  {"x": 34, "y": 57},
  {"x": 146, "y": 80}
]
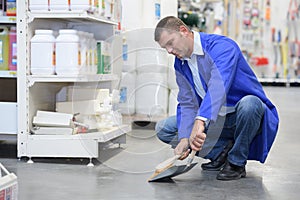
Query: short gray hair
[{"x": 169, "y": 24}]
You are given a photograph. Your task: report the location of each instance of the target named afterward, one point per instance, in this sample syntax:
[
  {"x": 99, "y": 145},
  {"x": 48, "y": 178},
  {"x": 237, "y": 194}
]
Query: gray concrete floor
[{"x": 122, "y": 173}]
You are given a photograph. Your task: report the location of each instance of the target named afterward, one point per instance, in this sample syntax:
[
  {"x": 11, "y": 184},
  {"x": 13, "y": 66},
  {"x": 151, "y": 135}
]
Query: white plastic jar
[
  {"x": 68, "y": 52},
  {"x": 59, "y": 5},
  {"x": 81, "y": 5},
  {"x": 42, "y": 53},
  {"x": 93, "y": 54},
  {"x": 38, "y": 5},
  {"x": 83, "y": 51}
]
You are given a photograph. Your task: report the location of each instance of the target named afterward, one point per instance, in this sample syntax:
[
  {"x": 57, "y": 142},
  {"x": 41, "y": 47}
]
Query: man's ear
[{"x": 184, "y": 30}]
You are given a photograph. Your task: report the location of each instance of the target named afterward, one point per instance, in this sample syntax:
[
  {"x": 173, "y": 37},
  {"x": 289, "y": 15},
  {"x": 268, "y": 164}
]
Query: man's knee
[
  {"x": 159, "y": 126},
  {"x": 250, "y": 104},
  {"x": 166, "y": 130},
  {"x": 159, "y": 129}
]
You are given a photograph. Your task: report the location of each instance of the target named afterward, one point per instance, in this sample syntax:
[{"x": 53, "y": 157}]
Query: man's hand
[
  {"x": 197, "y": 136},
  {"x": 182, "y": 148}
]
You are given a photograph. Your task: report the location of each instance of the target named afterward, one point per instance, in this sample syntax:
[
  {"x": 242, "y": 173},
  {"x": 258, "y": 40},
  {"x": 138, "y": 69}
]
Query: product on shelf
[
  {"x": 11, "y": 7},
  {"x": 41, "y": 89},
  {"x": 83, "y": 5},
  {"x": 110, "y": 9},
  {"x": 68, "y": 46},
  {"x": 4, "y": 42},
  {"x": 52, "y": 119},
  {"x": 48, "y": 54},
  {"x": 63, "y": 5},
  {"x": 12, "y": 56},
  {"x": 103, "y": 55},
  {"x": 43, "y": 53},
  {"x": 39, "y": 5}
]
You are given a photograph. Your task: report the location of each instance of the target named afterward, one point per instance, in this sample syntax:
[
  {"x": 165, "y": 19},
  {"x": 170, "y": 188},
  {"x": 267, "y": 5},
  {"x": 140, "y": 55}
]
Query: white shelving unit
[
  {"x": 8, "y": 102},
  {"x": 39, "y": 92},
  {"x": 78, "y": 78}
]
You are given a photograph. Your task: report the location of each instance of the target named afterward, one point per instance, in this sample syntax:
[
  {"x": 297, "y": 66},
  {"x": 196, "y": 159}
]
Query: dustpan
[{"x": 171, "y": 172}]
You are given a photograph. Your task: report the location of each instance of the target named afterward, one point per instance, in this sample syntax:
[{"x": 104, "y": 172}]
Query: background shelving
[
  {"x": 38, "y": 92},
  {"x": 8, "y": 94}
]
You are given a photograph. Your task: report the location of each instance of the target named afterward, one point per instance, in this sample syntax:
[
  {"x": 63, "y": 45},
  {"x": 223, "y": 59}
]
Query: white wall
[
  {"x": 141, "y": 13},
  {"x": 132, "y": 11},
  {"x": 169, "y": 7}
]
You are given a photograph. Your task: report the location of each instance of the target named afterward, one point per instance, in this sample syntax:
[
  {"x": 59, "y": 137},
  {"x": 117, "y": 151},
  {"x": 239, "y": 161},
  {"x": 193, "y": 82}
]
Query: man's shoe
[
  {"x": 217, "y": 164},
  {"x": 231, "y": 172}
]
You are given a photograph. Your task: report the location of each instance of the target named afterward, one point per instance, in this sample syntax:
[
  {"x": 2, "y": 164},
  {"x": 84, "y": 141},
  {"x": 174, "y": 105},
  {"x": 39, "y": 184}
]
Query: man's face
[{"x": 176, "y": 43}]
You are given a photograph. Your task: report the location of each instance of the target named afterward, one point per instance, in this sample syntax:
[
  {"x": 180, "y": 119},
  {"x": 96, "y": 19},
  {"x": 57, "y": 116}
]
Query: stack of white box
[
  {"x": 173, "y": 87},
  {"x": 53, "y": 123},
  {"x": 92, "y": 106}
]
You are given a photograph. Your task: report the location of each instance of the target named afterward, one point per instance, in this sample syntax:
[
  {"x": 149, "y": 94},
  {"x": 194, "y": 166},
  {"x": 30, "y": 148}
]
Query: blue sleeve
[
  {"x": 188, "y": 106},
  {"x": 222, "y": 56}
]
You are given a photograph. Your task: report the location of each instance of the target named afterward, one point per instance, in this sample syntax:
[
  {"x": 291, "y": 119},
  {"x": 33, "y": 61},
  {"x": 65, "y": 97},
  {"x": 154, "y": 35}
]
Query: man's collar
[{"x": 197, "y": 50}]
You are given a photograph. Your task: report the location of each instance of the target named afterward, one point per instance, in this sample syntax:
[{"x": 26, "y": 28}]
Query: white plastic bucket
[
  {"x": 171, "y": 73},
  {"x": 173, "y": 102},
  {"x": 151, "y": 56},
  {"x": 128, "y": 68},
  {"x": 42, "y": 53},
  {"x": 152, "y": 94},
  {"x": 154, "y": 68},
  {"x": 129, "y": 51},
  {"x": 127, "y": 93}
]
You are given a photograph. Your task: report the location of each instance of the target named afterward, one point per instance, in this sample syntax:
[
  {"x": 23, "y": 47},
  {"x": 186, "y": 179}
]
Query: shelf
[
  {"x": 280, "y": 81},
  {"x": 8, "y": 74},
  {"x": 294, "y": 80},
  {"x": 42, "y": 95},
  {"x": 273, "y": 80},
  {"x": 8, "y": 19},
  {"x": 71, "y": 16},
  {"x": 71, "y": 78},
  {"x": 102, "y": 136}
]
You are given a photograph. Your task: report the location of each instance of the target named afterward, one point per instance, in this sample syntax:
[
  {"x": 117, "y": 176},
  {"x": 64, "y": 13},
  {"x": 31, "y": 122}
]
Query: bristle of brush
[{"x": 158, "y": 171}]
